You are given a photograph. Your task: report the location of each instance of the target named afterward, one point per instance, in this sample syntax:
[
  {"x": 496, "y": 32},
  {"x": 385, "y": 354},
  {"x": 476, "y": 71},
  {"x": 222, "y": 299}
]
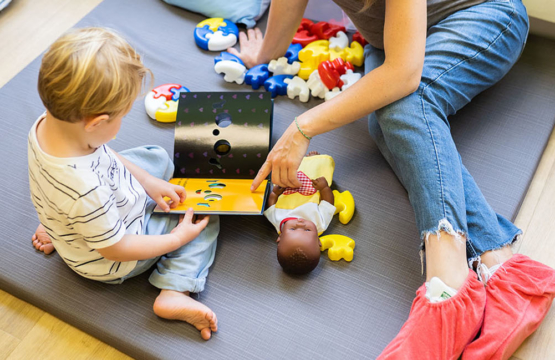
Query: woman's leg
[{"x": 466, "y": 53}]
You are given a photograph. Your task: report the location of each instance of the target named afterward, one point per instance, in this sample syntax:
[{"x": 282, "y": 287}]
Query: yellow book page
[{"x": 220, "y": 196}]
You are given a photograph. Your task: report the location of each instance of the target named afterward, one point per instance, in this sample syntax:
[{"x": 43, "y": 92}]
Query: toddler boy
[{"x": 95, "y": 205}]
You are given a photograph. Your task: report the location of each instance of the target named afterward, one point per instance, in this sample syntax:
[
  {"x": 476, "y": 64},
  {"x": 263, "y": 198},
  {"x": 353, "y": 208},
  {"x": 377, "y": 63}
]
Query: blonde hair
[
  {"x": 367, "y": 5},
  {"x": 89, "y": 72}
]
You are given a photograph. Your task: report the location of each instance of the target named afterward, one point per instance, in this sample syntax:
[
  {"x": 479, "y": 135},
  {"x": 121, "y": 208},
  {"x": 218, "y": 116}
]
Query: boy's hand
[
  {"x": 320, "y": 183},
  {"x": 190, "y": 226},
  {"x": 158, "y": 188},
  {"x": 278, "y": 190}
]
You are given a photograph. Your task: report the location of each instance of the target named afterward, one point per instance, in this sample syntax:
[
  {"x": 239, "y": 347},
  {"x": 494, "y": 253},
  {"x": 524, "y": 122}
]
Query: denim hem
[
  {"x": 176, "y": 282},
  {"x": 443, "y": 225}
]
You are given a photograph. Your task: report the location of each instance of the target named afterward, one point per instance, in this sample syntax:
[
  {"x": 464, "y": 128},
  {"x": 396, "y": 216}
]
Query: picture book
[{"x": 221, "y": 141}]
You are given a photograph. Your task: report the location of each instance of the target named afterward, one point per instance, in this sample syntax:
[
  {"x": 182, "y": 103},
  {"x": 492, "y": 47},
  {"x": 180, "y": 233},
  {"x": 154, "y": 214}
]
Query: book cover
[{"x": 221, "y": 140}]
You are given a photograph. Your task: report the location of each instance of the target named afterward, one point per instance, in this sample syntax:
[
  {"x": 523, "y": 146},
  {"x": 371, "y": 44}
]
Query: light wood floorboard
[{"x": 27, "y": 28}]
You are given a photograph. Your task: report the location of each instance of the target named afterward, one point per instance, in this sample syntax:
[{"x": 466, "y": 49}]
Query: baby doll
[{"x": 301, "y": 215}]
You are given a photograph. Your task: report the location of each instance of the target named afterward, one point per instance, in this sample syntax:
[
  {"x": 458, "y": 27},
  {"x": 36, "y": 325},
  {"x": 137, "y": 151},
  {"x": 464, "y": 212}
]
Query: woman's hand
[
  {"x": 284, "y": 160},
  {"x": 250, "y": 45},
  {"x": 158, "y": 188}
]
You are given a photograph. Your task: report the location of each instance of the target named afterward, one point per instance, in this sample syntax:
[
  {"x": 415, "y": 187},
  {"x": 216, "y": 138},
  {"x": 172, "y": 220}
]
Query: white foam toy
[
  {"x": 152, "y": 105},
  {"x": 282, "y": 67},
  {"x": 349, "y": 78},
  {"x": 233, "y": 71},
  {"x": 316, "y": 86},
  {"x": 339, "y": 42},
  {"x": 331, "y": 94},
  {"x": 218, "y": 41},
  {"x": 297, "y": 87}
]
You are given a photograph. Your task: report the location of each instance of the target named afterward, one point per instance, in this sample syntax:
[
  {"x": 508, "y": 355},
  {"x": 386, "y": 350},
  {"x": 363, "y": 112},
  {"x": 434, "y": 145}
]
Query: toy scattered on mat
[
  {"x": 216, "y": 34},
  {"x": 301, "y": 215},
  {"x": 161, "y": 102},
  {"x": 221, "y": 140},
  {"x": 338, "y": 246},
  {"x": 322, "y": 48}
]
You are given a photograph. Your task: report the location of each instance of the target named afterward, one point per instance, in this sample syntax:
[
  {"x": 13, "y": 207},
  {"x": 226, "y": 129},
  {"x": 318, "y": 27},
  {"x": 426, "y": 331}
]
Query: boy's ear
[
  {"x": 278, "y": 239},
  {"x": 92, "y": 123}
]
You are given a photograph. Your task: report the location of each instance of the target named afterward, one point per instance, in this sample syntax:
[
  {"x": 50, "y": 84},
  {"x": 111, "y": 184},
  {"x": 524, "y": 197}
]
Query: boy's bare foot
[
  {"x": 175, "y": 305},
  {"x": 312, "y": 153},
  {"x": 41, "y": 240}
]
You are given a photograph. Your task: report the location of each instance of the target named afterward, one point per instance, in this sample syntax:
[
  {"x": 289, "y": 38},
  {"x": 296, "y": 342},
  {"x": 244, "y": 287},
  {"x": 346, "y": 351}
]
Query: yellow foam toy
[
  {"x": 344, "y": 205},
  {"x": 167, "y": 114},
  {"x": 314, "y": 167},
  {"x": 339, "y": 247},
  {"x": 213, "y": 23},
  {"x": 353, "y": 54},
  {"x": 311, "y": 56}
]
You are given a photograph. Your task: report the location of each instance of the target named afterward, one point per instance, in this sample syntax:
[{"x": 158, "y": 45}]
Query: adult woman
[{"x": 426, "y": 61}]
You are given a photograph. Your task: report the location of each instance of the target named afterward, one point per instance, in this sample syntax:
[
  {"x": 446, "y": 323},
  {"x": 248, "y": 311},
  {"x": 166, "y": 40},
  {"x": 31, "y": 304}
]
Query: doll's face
[{"x": 298, "y": 246}]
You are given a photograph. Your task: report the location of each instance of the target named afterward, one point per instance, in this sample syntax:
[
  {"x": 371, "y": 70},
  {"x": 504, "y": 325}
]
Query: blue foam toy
[
  {"x": 292, "y": 53},
  {"x": 224, "y": 55},
  {"x": 229, "y": 28},
  {"x": 200, "y": 36},
  {"x": 257, "y": 75},
  {"x": 176, "y": 92},
  {"x": 276, "y": 84}
]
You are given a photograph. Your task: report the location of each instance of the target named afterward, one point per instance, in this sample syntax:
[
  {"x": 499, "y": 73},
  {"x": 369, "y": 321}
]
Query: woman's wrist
[{"x": 304, "y": 127}]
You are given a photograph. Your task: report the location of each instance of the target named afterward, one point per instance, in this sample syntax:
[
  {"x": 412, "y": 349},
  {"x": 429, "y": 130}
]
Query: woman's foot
[
  {"x": 518, "y": 297},
  {"x": 443, "y": 329},
  {"x": 41, "y": 241},
  {"x": 175, "y": 305}
]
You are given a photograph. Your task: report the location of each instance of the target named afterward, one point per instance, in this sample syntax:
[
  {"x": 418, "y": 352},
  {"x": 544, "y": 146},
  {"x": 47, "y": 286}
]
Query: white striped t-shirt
[{"x": 86, "y": 203}]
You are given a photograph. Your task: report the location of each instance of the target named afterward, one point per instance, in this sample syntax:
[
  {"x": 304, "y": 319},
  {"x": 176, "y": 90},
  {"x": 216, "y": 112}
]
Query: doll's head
[{"x": 298, "y": 249}]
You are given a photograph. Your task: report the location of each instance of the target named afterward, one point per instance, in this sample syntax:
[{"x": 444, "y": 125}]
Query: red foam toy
[
  {"x": 164, "y": 90},
  {"x": 326, "y": 30},
  {"x": 358, "y": 38},
  {"x": 330, "y": 72}
]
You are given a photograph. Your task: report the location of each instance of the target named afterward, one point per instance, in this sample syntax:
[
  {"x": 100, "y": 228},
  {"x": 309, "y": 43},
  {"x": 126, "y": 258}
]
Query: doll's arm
[
  {"x": 321, "y": 184},
  {"x": 274, "y": 195}
]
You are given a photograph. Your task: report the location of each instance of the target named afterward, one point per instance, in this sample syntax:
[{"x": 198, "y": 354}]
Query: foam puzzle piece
[
  {"x": 292, "y": 53},
  {"x": 349, "y": 78},
  {"x": 316, "y": 86},
  {"x": 167, "y": 113},
  {"x": 176, "y": 92},
  {"x": 224, "y": 55},
  {"x": 339, "y": 42},
  {"x": 161, "y": 102},
  {"x": 233, "y": 71},
  {"x": 165, "y": 90},
  {"x": 326, "y": 30},
  {"x": 353, "y": 54},
  {"x": 216, "y": 34},
  {"x": 304, "y": 36},
  {"x": 331, "y": 94},
  {"x": 344, "y": 205},
  {"x": 281, "y": 66},
  {"x": 256, "y": 76},
  {"x": 277, "y": 85},
  {"x": 311, "y": 56},
  {"x": 339, "y": 247},
  {"x": 330, "y": 72},
  {"x": 358, "y": 38},
  {"x": 297, "y": 87}
]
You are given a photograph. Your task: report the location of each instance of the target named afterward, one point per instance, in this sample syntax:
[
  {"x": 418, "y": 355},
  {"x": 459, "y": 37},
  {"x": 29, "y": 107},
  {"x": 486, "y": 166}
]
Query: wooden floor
[{"x": 26, "y": 331}]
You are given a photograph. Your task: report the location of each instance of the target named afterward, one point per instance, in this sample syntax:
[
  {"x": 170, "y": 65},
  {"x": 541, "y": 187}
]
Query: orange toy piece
[
  {"x": 311, "y": 56},
  {"x": 339, "y": 247}
]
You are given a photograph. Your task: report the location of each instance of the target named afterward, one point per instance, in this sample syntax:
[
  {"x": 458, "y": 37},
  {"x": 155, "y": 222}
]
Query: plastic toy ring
[{"x": 216, "y": 34}]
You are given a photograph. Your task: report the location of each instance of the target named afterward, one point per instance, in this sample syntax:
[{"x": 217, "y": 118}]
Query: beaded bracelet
[{"x": 298, "y": 127}]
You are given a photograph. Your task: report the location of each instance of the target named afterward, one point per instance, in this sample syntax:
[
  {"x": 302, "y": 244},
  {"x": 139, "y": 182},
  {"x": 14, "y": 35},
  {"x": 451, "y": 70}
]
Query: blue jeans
[
  {"x": 186, "y": 268},
  {"x": 466, "y": 53}
]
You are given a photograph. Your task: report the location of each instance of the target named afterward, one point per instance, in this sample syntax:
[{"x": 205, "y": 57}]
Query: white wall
[{"x": 541, "y": 9}]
